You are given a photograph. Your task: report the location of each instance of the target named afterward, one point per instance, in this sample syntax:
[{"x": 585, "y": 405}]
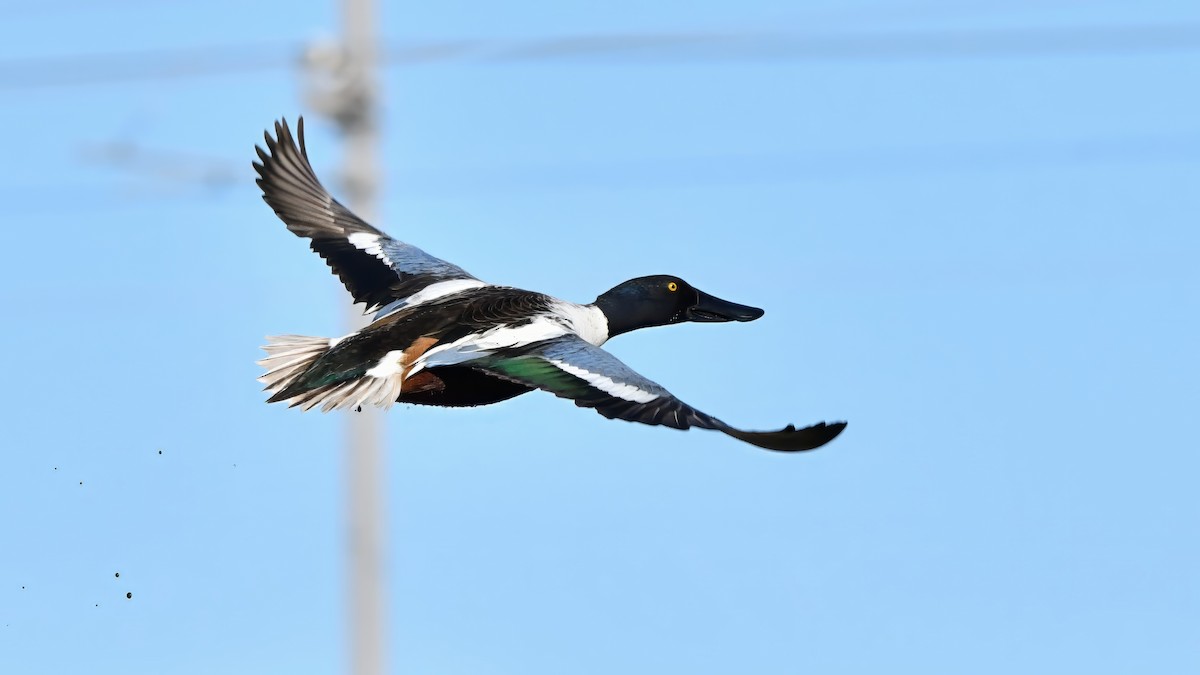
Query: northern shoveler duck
[{"x": 443, "y": 337}]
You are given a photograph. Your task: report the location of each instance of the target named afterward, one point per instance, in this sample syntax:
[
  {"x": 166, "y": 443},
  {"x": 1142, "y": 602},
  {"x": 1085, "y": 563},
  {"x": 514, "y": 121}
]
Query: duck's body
[
  {"x": 443, "y": 337},
  {"x": 418, "y": 349}
]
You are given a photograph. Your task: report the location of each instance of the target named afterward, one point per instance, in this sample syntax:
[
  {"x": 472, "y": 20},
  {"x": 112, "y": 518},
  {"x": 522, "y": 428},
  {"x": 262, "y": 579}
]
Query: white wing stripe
[
  {"x": 606, "y": 384},
  {"x": 430, "y": 292},
  {"x": 478, "y": 345},
  {"x": 365, "y": 241}
]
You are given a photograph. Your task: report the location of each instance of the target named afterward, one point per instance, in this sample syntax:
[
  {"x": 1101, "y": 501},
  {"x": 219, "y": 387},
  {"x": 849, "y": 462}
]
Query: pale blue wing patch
[{"x": 571, "y": 368}]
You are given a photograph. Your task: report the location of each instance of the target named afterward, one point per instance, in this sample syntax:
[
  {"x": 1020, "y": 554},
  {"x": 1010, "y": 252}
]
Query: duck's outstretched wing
[
  {"x": 572, "y": 368},
  {"x": 376, "y": 269}
]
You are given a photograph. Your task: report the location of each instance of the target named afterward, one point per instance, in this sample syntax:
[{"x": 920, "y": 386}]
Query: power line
[
  {"x": 790, "y": 46},
  {"x": 169, "y": 165},
  {"x": 146, "y": 65},
  {"x": 57, "y": 8},
  {"x": 211, "y": 177},
  {"x": 630, "y": 48}
]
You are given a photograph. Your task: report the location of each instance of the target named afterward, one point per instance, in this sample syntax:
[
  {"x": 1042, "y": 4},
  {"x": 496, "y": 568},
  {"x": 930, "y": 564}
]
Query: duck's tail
[
  {"x": 298, "y": 374},
  {"x": 288, "y": 358}
]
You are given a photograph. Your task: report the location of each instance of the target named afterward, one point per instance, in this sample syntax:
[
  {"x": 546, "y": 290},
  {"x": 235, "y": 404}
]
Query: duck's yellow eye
[{"x": 672, "y": 286}]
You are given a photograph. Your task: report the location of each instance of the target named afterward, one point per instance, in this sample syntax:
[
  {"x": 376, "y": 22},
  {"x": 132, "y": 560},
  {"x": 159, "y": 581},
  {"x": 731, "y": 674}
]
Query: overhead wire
[
  {"x": 867, "y": 46},
  {"x": 205, "y": 176},
  {"x": 617, "y": 48},
  {"x": 146, "y": 65}
]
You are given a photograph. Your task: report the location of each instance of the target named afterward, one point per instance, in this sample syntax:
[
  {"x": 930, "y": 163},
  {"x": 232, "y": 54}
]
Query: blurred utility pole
[{"x": 344, "y": 89}]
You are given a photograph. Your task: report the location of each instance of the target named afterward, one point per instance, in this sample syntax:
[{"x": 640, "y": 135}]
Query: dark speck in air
[
  {"x": 117, "y": 575},
  {"x": 129, "y": 596},
  {"x": 81, "y": 482},
  {"x": 160, "y": 452}
]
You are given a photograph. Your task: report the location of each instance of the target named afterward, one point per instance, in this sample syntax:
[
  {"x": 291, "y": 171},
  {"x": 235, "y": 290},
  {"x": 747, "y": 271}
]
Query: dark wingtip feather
[
  {"x": 290, "y": 185},
  {"x": 300, "y": 135},
  {"x": 790, "y": 439}
]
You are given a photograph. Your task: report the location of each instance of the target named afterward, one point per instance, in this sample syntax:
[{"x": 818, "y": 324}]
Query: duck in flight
[{"x": 442, "y": 337}]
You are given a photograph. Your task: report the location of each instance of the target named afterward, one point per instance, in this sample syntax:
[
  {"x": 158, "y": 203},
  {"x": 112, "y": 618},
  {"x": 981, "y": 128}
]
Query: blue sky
[{"x": 986, "y": 264}]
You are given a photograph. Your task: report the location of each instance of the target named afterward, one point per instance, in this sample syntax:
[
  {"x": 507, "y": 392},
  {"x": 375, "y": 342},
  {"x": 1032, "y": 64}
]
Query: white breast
[{"x": 585, "y": 320}]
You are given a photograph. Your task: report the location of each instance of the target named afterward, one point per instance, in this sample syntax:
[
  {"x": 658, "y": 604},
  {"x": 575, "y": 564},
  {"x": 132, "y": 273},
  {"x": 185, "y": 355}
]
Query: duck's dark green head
[{"x": 662, "y": 299}]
